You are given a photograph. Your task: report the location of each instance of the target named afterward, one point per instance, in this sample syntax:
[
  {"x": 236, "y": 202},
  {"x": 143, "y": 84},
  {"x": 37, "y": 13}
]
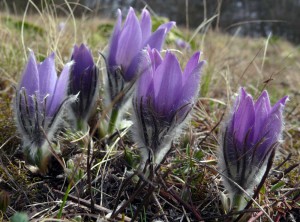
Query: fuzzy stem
[
  {"x": 82, "y": 125},
  {"x": 239, "y": 202},
  {"x": 113, "y": 120},
  {"x": 102, "y": 130}
]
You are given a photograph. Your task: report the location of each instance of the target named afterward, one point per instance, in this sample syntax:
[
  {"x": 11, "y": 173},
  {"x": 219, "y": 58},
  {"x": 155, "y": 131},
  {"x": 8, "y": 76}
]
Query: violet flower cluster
[
  {"x": 249, "y": 139},
  {"x": 124, "y": 56},
  {"x": 40, "y": 100},
  {"x": 163, "y": 99}
]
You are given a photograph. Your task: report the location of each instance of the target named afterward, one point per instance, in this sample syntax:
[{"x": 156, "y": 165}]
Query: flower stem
[
  {"x": 239, "y": 202},
  {"x": 113, "y": 120},
  {"x": 59, "y": 215},
  {"x": 81, "y": 125}
]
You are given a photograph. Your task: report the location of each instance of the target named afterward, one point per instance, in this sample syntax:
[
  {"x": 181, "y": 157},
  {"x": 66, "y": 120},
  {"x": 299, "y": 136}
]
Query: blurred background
[{"x": 255, "y": 18}]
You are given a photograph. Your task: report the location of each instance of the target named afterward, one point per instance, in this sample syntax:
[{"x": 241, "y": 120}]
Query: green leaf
[
  {"x": 19, "y": 217},
  {"x": 277, "y": 186},
  {"x": 199, "y": 155}
]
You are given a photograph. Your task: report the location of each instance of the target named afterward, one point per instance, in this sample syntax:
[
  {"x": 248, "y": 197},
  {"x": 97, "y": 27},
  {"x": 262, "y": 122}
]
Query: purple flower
[
  {"x": 123, "y": 52},
  {"x": 163, "y": 99},
  {"x": 83, "y": 81},
  {"x": 40, "y": 100},
  {"x": 182, "y": 44},
  {"x": 249, "y": 138}
]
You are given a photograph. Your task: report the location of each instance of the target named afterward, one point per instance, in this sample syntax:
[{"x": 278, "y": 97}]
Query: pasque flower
[
  {"x": 39, "y": 104},
  {"x": 249, "y": 138},
  {"x": 163, "y": 99},
  {"x": 125, "y": 45},
  {"x": 182, "y": 44},
  {"x": 124, "y": 49},
  {"x": 84, "y": 82}
]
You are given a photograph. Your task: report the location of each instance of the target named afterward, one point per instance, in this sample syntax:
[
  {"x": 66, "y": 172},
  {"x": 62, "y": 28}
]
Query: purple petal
[
  {"x": 145, "y": 83},
  {"x": 192, "y": 83},
  {"x": 47, "y": 77},
  {"x": 75, "y": 51},
  {"x": 30, "y": 77},
  {"x": 82, "y": 56},
  {"x": 155, "y": 58},
  {"x": 157, "y": 39},
  {"x": 264, "y": 98},
  {"x": 146, "y": 24},
  {"x": 262, "y": 108},
  {"x": 191, "y": 65},
  {"x": 167, "y": 84},
  {"x": 82, "y": 68},
  {"x": 280, "y": 102},
  {"x": 130, "y": 40},
  {"x": 244, "y": 117},
  {"x": 167, "y": 26},
  {"x": 113, "y": 45},
  {"x": 60, "y": 91},
  {"x": 272, "y": 128},
  {"x": 133, "y": 70}
]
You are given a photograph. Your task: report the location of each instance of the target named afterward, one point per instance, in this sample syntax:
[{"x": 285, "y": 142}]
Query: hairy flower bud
[
  {"x": 163, "y": 99},
  {"x": 249, "y": 138},
  {"x": 84, "y": 82},
  {"x": 39, "y": 103}
]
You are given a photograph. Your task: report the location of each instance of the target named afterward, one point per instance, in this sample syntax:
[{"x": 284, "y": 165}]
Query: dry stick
[
  {"x": 266, "y": 82},
  {"x": 89, "y": 177},
  {"x": 142, "y": 178},
  {"x": 253, "y": 219},
  {"x": 144, "y": 204},
  {"x": 179, "y": 199},
  {"x": 160, "y": 207},
  {"x": 213, "y": 129},
  {"x": 138, "y": 188},
  {"x": 241, "y": 77},
  {"x": 284, "y": 161},
  {"x": 269, "y": 166},
  {"x": 124, "y": 183},
  {"x": 97, "y": 207},
  {"x": 131, "y": 198},
  {"x": 151, "y": 188},
  {"x": 226, "y": 216},
  {"x": 286, "y": 171},
  {"x": 288, "y": 114}
]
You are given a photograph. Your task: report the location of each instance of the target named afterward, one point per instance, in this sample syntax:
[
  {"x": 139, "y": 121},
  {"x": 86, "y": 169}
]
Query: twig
[
  {"x": 145, "y": 202},
  {"x": 241, "y": 77},
  {"x": 97, "y": 207},
  {"x": 284, "y": 161},
  {"x": 286, "y": 171},
  {"x": 252, "y": 219},
  {"x": 213, "y": 129},
  {"x": 89, "y": 176},
  {"x": 160, "y": 207},
  {"x": 180, "y": 200},
  {"x": 124, "y": 183},
  {"x": 131, "y": 198},
  {"x": 226, "y": 216}
]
